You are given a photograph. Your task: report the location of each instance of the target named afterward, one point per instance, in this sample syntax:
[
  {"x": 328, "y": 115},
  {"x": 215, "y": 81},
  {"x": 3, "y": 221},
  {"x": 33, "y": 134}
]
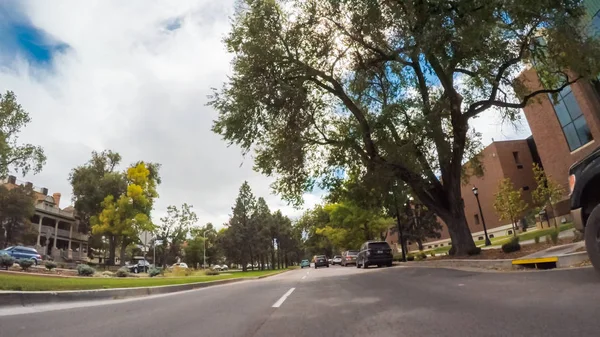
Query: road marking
[
  {"x": 283, "y": 298},
  {"x": 303, "y": 277}
]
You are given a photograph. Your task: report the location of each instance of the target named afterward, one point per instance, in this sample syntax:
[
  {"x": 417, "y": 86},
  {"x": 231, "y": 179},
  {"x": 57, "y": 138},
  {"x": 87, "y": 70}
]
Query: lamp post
[{"x": 487, "y": 239}]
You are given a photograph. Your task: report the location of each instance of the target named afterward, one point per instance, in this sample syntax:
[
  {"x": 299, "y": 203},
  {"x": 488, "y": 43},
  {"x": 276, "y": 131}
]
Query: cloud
[{"x": 135, "y": 79}]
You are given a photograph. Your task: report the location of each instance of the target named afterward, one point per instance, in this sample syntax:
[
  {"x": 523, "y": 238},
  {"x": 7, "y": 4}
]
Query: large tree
[
  {"x": 16, "y": 209},
  {"x": 18, "y": 157},
  {"x": 173, "y": 232},
  {"x": 320, "y": 86}
]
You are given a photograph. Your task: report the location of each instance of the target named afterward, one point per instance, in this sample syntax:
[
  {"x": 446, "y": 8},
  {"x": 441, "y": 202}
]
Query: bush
[
  {"x": 25, "y": 263},
  {"x": 398, "y": 257},
  {"x": 178, "y": 271},
  {"x": 554, "y": 236},
  {"x": 155, "y": 271},
  {"x": 50, "y": 265},
  {"x": 211, "y": 272},
  {"x": 85, "y": 270},
  {"x": 536, "y": 239},
  {"x": 107, "y": 274},
  {"x": 410, "y": 257},
  {"x": 6, "y": 261},
  {"x": 423, "y": 255},
  {"x": 474, "y": 251},
  {"x": 511, "y": 246},
  {"x": 122, "y": 272},
  {"x": 432, "y": 254}
]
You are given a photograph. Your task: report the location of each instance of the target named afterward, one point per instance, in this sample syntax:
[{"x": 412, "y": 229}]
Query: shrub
[
  {"x": 398, "y": 257},
  {"x": 155, "y": 271},
  {"x": 25, "y": 263},
  {"x": 85, "y": 270},
  {"x": 554, "y": 236},
  {"x": 122, "y": 272},
  {"x": 211, "y": 272},
  {"x": 107, "y": 274},
  {"x": 178, "y": 271},
  {"x": 6, "y": 261},
  {"x": 423, "y": 255},
  {"x": 536, "y": 239},
  {"x": 432, "y": 254},
  {"x": 410, "y": 257},
  {"x": 511, "y": 246},
  {"x": 50, "y": 265}
]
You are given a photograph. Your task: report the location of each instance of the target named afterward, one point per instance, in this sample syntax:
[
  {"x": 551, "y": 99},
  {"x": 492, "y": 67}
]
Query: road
[{"x": 337, "y": 301}]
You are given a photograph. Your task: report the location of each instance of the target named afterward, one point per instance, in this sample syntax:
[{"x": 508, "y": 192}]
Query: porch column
[
  {"x": 55, "y": 233},
  {"x": 70, "y": 235},
  {"x": 39, "y": 231}
]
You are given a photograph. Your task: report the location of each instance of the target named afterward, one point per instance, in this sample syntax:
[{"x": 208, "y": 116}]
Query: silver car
[{"x": 349, "y": 257}]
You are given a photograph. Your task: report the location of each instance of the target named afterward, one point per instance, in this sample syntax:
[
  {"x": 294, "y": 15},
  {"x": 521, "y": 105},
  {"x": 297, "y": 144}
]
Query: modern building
[
  {"x": 58, "y": 232},
  {"x": 512, "y": 159}
]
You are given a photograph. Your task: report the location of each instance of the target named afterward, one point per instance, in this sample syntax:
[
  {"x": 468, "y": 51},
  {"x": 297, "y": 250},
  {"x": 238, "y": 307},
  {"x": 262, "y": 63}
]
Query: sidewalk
[
  {"x": 561, "y": 256},
  {"x": 569, "y": 233}
]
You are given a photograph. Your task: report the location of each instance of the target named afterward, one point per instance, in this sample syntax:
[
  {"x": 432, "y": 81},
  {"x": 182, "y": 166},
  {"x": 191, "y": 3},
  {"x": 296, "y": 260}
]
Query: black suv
[
  {"x": 374, "y": 253},
  {"x": 584, "y": 180},
  {"x": 321, "y": 261}
]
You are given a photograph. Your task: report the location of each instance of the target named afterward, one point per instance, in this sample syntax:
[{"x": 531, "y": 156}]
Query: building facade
[{"x": 58, "y": 232}]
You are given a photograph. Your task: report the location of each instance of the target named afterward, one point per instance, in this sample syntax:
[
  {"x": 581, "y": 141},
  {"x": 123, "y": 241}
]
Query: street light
[{"x": 487, "y": 239}]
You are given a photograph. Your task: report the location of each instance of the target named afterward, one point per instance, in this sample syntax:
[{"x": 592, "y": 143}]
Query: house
[{"x": 58, "y": 233}]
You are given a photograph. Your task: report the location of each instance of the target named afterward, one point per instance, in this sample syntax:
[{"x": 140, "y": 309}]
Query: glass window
[
  {"x": 571, "y": 119},
  {"x": 476, "y": 219},
  {"x": 596, "y": 24}
]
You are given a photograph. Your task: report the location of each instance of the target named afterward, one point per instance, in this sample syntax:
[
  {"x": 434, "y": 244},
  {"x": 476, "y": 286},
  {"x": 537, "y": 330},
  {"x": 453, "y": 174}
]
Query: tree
[
  {"x": 20, "y": 158},
  {"x": 124, "y": 218},
  {"x": 240, "y": 229},
  {"x": 92, "y": 182},
  {"x": 509, "y": 204},
  {"x": 194, "y": 250},
  {"x": 323, "y": 86},
  {"x": 547, "y": 193},
  {"x": 174, "y": 230},
  {"x": 16, "y": 208}
]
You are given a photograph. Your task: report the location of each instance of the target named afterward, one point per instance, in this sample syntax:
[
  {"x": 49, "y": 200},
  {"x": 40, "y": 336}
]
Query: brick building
[{"x": 501, "y": 159}]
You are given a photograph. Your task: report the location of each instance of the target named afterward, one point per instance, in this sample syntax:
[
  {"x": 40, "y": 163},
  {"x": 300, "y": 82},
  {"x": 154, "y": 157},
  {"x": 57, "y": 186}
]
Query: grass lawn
[{"x": 32, "y": 282}]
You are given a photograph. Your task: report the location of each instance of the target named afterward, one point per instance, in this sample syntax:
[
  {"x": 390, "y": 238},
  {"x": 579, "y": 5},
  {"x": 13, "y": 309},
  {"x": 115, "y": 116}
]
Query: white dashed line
[
  {"x": 303, "y": 277},
  {"x": 283, "y": 298}
]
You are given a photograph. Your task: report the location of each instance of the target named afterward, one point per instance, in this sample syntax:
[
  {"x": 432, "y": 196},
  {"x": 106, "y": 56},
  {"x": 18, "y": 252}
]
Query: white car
[
  {"x": 336, "y": 260},
  {"x": 216, "y": 267},
  {"x": 224, "y": 268},
  {"x": 180, "y": 265}
]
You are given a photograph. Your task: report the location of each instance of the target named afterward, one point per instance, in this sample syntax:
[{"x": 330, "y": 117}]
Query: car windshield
[
  {"x": 9, "y": 248},
  {"x": 378, "y": 245},
  {"x": 320, "y": 256},
  {"x": 304, "y": 260},
  {"x": 336, "y": 257},
  {"x": 353, "y": 252}
]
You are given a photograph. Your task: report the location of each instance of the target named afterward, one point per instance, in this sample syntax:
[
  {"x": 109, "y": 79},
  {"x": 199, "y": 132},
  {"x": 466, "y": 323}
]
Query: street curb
[
  {"x": 571, "y": 259},
  {"x": 29, "y": 298},
  {"x": 460, "y": 263}
]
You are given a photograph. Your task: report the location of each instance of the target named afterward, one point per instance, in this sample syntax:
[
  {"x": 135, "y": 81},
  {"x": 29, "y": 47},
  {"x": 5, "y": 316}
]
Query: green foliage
[
  {"x": 422, "y": 255},
  {"x": 548, "y": 192},
  {"x": 397, "y": 257},
  {"x": 155, "y": 272},
  {"x": 511, "y": 246},
  {"x": 179, "y": 272},
  {"x": 25, "y": 263},
  {"x": 15, "y": 157},
  {"x": 50, "y": 265},
  {"x": 319, "y": 86},
  {"x": 173, "y": 232},
  {"x": 122, "y": 272},
  {"x": 554, "y": 236},
  {"x": 536, "y": 239},
  {"x": 85, "y": 270},
  {"x": 6, "y": 261},
  {"x": 508, "y": 203},
  {"x": 16, "y": 209},
  {"x": 211, "y": 272}
]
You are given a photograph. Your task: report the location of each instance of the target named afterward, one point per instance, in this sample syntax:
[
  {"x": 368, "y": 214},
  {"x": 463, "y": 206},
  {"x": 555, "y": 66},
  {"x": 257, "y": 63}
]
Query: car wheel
[
  {"x": 592, "y": 237},
  {"x": 327, "y": 266},
  {"x": 389, "y": 264},
  {"x": 357, "y": 265}
]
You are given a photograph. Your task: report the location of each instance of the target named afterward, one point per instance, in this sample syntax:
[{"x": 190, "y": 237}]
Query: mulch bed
[{"x": 494, "y": 254}]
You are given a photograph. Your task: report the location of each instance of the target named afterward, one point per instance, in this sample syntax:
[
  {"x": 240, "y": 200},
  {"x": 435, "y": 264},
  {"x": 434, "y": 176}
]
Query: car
[
  {"x": 329, "y": 261},
  {"x": 304, "y": 263},
  {"x": 224, "y": 268},
  {"x": 374, "y": 253},
  {"x": 21, "y": 252},
  {"x": 349, "y": 257},
  {"x": 321, "y": 261},
  {"x": 139, "y": 266},
  {"x": 179, "y": 265},
  {"x": 584, "y": 179},
  {"x": 216, "y": 267},
  {"x": 336, "y": 260}
]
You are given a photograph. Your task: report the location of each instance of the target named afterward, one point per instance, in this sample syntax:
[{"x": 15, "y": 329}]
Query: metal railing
[
  {"x": 64, "y": 234},
  {"x": 54, "y": 210}
]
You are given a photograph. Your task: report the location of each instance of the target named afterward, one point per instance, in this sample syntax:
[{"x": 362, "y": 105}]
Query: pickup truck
[{"x": 584, "y": 186}]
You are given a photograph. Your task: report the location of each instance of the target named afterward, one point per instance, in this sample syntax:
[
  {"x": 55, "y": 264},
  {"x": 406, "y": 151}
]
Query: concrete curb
[
  {"x": 571, "y": 259},
  {"x": 460, "y": 263},
  {"x": 29, "y": 298}
]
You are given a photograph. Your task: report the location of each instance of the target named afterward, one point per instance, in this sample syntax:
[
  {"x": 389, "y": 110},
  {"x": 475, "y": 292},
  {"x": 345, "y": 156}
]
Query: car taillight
[
  {"x": 572, "y": 180},
  {"x": 348, "y": 258}
]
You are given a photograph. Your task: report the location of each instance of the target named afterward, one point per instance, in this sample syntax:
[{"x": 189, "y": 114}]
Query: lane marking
[
  {"x": 303, "y": 277},
  {"x": 283, "y": 298}
]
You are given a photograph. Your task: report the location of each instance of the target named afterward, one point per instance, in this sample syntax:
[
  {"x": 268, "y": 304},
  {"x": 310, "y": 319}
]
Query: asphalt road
[{"x": 337, "y": 301}]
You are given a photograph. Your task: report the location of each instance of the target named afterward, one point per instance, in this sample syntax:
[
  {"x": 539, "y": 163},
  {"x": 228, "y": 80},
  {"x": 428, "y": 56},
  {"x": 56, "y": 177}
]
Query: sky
[{"x": 133, "y": 76}]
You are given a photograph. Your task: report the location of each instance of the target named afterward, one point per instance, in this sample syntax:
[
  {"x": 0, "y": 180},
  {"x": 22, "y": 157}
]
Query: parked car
[
  {"x": 216, "y": 267},
  {"x": 139, "y": 266},
  {"x": 349, "y": 257},
  {"x": 180, "y": 265},
  {"x": 304, "y": 263},
  {"x": 21, "y": 252},
  {"x": 321, "y": 261},
  {"x": 374, "y": 253},
  {"x": 329, "y": 261},
  {"x": 224, "y": 268},
  {"x": 336, "y": 260},
  {"x": 584, "y": 179}
]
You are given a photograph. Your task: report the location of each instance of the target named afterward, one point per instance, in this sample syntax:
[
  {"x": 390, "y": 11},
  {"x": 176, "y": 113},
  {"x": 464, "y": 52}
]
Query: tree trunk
[
  {"x": 112, "y": 248},
  {"x": 272, "y": 253},
  {"x": 420, "y": 244},
  {"x": 460, "y": 235},
  {"x": 554, "y": 216},
  {"x": 122, "y": 254}
]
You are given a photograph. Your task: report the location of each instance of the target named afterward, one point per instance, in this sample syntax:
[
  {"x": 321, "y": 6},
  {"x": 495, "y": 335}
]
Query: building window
[
  {"x": 516, "y": 156},
  {"x": 571, "y": 119},
  {"x": 477, "y": 219},
  {"x": 595, "y": 26},
  {"x": 525, "y": 188}
]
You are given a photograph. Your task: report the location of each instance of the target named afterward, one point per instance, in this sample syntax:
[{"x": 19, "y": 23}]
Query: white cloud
[{"x": 130, "y": 84}]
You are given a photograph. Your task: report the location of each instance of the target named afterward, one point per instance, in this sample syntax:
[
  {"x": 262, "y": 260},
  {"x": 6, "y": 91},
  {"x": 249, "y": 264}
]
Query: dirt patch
[
  {"x": 582, "y": 249},
  {"x": 494, "y": 254}
]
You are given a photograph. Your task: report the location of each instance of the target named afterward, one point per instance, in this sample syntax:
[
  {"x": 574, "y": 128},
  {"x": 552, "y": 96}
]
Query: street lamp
[{"x": 487, "y": 239}]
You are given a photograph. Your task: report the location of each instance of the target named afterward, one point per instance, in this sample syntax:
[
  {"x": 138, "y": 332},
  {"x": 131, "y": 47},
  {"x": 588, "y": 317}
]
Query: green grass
[
  {"x": 532, "y": 234},
  {"x": 29, "y": 282}
]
